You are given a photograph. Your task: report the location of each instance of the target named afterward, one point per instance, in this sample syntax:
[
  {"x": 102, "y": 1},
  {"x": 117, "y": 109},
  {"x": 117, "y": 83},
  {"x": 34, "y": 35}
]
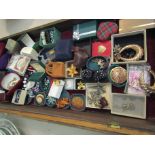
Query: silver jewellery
[{"x": 139, "y": 52}]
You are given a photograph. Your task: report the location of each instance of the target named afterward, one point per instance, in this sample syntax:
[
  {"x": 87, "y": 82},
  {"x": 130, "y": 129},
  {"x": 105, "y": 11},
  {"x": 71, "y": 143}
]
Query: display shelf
[{"x": 101, "y": 121}]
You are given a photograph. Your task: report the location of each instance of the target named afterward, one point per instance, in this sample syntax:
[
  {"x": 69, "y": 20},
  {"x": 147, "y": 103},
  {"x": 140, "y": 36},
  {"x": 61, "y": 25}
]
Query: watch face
[{"x": 118, "y": 75}]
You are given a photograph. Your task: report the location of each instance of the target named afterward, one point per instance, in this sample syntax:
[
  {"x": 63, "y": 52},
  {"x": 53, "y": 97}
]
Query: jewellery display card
[
  {"x": 98, "y": 96},
  {"x": 134, "y": 74}
]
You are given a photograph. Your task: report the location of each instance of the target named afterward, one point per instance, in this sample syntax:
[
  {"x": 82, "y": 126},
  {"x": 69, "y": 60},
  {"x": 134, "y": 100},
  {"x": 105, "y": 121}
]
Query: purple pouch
[{"x": 4, "y": 59}]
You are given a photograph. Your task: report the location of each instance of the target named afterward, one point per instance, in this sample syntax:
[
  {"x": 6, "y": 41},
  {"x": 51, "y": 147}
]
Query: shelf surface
[{"x": 92, "y": 119}]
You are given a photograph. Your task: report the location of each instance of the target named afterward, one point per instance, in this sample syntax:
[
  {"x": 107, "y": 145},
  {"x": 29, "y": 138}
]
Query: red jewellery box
[{"x": 101, "y": 48}]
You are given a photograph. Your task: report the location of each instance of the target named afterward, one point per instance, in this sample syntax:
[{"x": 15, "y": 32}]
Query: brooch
[
  {"x": 132, "y": 52},
  {"x": 78, "y": 102},
  {"x": 81, "y": 85},
  {"x": 146, "y": 87},
  {"x": 118, "y": 75},
  {"x": 72, "y": 71},
  {"x": 40, "y": 99},
  {"x": 63, "y": 103}
]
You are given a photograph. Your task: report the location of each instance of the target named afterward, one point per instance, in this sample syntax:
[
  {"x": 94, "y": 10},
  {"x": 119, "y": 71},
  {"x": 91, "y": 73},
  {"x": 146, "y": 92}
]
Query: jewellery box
[
  {"x": 130, "y": 47},
  {"x": 98, "y": 95},
  {"x": 80, "y": 84},
  {"x": 10, "y": 82},
  {"x": 69, "y": 84},
  {"x": 55, "y": 69},
  {"x": 12, "y": 46},
  {"x": 26, "y": 40},
  {"x": 64, "y": 101},
  {"x": 71, "y": 71},
  {"x": 38, "y": 66},
  {"x": 134, "y": 74},
  {"x": 101, "y": 48},
  {"x": 19, "y": 97},
  {"x": 40, "y": 99},
  {"x": 49, "y": 37},
  {"x": 56, "y": 88},
  {"x": 129, "y": 105},
  {"x": 84, "y": 30},
  {"x": 2, "y": 95},
  {"x": 29, "y": 52},
  {"x": 2, "y": 48},
  {"x": 4, "y": 60},
  {"x": 63, "y": 50},
  {"x": 19, "y": 64}
]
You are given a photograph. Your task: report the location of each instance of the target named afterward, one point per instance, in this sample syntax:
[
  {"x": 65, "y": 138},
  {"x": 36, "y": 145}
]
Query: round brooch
[{"x": 117, "y": 75}]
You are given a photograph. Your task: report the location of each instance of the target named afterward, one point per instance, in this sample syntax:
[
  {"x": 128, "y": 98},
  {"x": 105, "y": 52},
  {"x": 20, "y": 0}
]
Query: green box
[
  {"x": 56, "y": 35},
  {"x": 85, "y": 30}
]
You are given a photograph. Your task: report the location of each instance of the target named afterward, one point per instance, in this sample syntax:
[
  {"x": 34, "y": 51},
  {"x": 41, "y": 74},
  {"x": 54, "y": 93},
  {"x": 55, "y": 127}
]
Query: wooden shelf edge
[{"x": 74, "y": 122}]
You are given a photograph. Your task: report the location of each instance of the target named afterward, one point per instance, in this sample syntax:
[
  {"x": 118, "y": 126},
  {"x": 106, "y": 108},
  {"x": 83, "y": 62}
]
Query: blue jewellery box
[{"x": 84, "y": 30}]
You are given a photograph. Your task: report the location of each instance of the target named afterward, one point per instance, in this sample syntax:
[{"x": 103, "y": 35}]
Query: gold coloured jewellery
[
  {"x": 139, "y": 52},
  {"x": 146, "y": 87}
]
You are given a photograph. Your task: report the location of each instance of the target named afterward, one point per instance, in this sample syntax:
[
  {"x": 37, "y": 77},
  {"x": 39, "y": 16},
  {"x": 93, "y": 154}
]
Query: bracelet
[
  {"x": 139, "y": 52},
  {"x": 146, "y": 87}
]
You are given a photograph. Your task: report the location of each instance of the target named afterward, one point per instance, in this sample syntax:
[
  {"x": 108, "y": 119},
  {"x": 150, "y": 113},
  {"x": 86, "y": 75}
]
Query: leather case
[{"x": 63, "y": 50}]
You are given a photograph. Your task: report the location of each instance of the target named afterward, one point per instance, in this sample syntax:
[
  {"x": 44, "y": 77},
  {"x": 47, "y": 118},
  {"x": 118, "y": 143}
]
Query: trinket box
[
  {"x": 4, "y": 59},
  {"x": 49, "y": 37},
  {"x": 56, "y": 88},
  {"x": 9, "y": 81},
  {"x": 38, "y": 66},
  {"x": 12, "y": 46},
  {"x": 129, "y": 105},
  {"x": 134, "y": 74},
  {"x": 71, "y": 70},
  {"x": 130, "y": 47},
  {"x": 40, "y": 99},
  {"x": 19, "y": 97},
  {"x": 37, "y": 76},
  {"x": 55, "y": 69},
  {"x": 26, "y": 40},
  {"x": 101, "y": 49},
  {"x": 69, "y": 84},
  {"x": 2, "y": 48},
  {"x": 19, "y": 64},
  {"x": 29, "y": 52},
  {"x": 106, "y": 29},
  {"x": 118, "y": 75},
  {"x": 78, "y": 102},
  {"x": 98, "y": 95},
  {"x": 80, "y": 84},
  {"x": 64, "y": 101},
  {"x": 63, "y": 50},
  {"x": 84, "y": 30}
]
